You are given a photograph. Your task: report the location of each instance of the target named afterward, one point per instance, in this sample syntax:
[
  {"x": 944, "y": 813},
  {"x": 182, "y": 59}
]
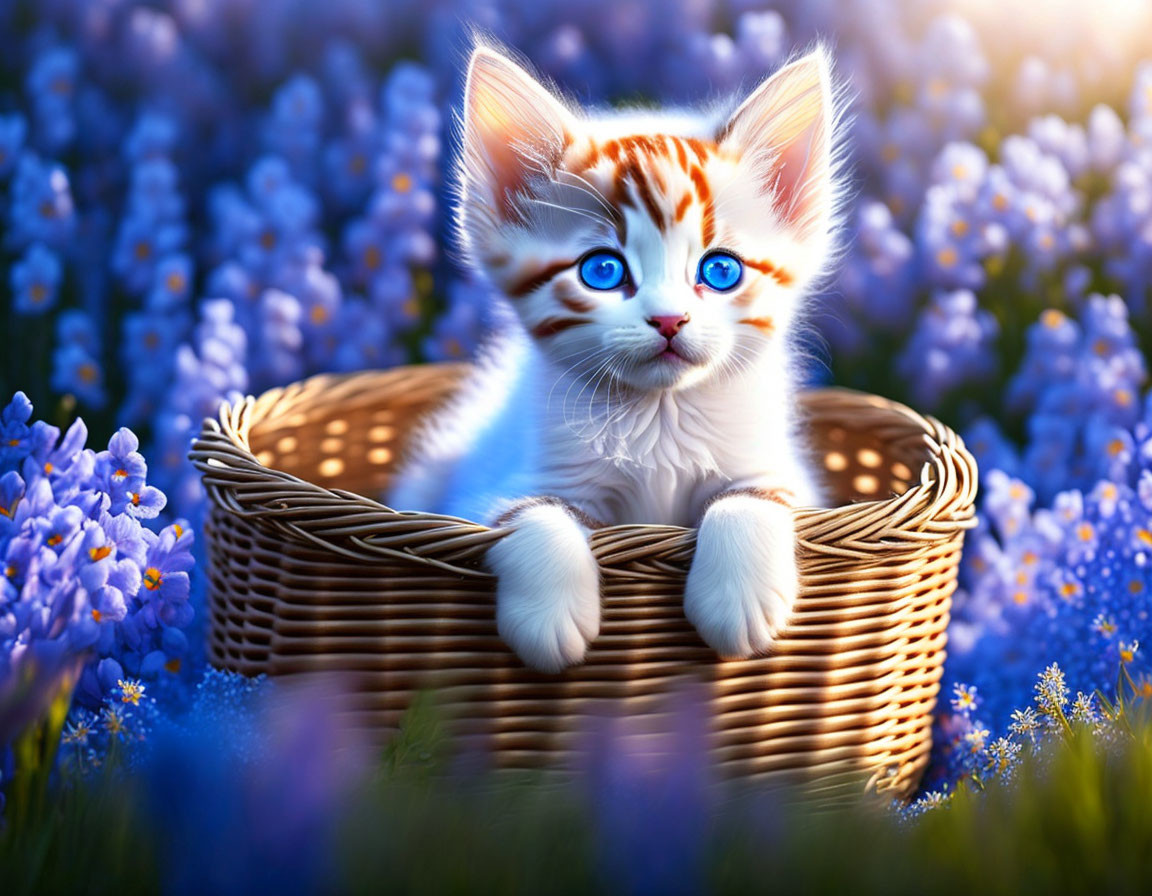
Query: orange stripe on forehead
[
  {"x": 682, "y": 206},
  {"x": 704, "y": 193},
  {"x": 632, "y": 170},
  {"x": 781, "y": 276},
  {"x": 698, "y": 147},
  {"x": 681, "y": 153},
  {"x": 536, "y": 277},
  {"x": 550, "y": 326}
]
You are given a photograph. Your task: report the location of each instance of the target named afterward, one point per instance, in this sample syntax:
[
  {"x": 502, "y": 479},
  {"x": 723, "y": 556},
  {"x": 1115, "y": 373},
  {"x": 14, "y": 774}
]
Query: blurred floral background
[{"x": 205, "y": 198}]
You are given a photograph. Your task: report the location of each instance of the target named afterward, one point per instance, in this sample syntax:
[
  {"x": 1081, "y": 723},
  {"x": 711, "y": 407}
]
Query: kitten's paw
[
  {"x": 548, "y": 589},
  {"x": 743, "y": 581}
]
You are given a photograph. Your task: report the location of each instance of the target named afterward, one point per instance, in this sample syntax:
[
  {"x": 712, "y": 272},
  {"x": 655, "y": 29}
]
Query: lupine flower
[
  {"x": 84, "y": 585},
  {"x": 35, "y": 280},
  {"x": 1001, "y": 205}
]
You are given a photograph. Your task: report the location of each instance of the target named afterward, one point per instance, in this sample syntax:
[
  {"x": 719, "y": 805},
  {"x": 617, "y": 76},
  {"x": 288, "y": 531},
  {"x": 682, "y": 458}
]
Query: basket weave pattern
[{"x": 308, "y": 574}]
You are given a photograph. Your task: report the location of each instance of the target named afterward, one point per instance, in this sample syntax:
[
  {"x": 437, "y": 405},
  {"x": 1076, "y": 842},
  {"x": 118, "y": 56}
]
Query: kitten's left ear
[{"x": 785, "y": 128}]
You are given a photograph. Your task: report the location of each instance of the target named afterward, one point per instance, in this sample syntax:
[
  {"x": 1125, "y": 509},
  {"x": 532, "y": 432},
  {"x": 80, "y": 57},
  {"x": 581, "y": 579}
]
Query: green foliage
[{"x": 1072, "y": 817}]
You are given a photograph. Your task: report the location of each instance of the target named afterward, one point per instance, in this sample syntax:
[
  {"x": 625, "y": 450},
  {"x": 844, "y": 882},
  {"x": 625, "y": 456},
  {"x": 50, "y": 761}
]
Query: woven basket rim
[{"x": 363, "y": 528}]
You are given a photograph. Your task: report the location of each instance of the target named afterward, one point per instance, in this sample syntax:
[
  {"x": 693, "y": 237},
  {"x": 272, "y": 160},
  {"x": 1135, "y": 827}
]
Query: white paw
[
  {"x": 743, "y": 581},
  {"x": 547, "y": 590}
]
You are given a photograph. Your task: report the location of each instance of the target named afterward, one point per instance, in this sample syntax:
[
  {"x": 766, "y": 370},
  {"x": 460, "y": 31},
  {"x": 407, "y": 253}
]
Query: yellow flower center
[
  {"x": 100, "y": 553},
  {"x": 152, "y": 578},
  {"x": 401, "y": 183}
]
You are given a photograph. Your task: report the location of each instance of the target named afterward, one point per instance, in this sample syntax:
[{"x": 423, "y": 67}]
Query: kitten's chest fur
[{"x": 659, "y": 458}]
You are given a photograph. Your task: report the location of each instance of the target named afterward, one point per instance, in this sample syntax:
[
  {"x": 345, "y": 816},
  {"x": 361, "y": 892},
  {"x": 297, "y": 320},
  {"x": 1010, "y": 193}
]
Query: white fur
[
  {"x": 743, "y": 582},
  {"x": 590, "y": 415},
  {"x": 548, "y": 589}
]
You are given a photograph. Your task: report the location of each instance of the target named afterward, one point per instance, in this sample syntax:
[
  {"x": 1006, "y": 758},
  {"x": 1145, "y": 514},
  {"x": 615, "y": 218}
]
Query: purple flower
[
  {"x": 165, "y": 584},
  {"x": 15, "y": 435}
]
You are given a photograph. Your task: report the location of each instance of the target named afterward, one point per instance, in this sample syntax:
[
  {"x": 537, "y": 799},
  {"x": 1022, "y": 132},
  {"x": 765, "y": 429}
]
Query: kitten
[{"x": 656, "y": 263}]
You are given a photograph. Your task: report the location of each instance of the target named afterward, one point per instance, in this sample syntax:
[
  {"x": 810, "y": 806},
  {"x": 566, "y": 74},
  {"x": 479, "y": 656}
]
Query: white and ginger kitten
[{"x": 656, "y": 263}]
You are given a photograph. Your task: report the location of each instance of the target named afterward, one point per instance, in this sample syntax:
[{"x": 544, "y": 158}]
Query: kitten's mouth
[{"x": 671, "y": 354}]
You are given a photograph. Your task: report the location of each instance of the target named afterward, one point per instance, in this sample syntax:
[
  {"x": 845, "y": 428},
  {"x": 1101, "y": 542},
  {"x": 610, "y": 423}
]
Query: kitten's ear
[
  {"x": 513, "y": 129},
  {"x": 785, "y": 128}
]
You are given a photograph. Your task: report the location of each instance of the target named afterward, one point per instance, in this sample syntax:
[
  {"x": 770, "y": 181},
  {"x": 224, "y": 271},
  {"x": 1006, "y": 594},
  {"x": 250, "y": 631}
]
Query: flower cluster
[
  {"x": 86, "y": 586},
  {"x": 206, "y": 199},
  {"x": 967, "y": 751}
]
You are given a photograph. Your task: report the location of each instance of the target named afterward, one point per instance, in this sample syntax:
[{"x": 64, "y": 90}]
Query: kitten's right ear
[{"x": 514, "y": 129}]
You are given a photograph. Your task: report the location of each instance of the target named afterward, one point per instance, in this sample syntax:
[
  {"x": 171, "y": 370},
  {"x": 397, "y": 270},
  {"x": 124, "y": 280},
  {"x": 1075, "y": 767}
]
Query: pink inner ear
[
  {"x": 515, "y": 130},
  {"x": 801, "y": 178},
  {"x": 785, "y": 127}
]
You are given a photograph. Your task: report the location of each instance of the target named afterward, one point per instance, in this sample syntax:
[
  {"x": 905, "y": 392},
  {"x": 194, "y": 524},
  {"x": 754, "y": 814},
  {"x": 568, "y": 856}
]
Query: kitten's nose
[{"x": 669, "y": 324}]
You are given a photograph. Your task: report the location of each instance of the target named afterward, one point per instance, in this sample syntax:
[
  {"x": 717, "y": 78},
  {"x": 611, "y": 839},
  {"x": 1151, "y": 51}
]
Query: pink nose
[{"x": 668, "y": 324}]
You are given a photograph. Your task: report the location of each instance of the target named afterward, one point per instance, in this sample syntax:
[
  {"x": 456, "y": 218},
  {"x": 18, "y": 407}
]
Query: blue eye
[
  {"x": 720, "y": 271},
  {"x": 603, "y": 270}
]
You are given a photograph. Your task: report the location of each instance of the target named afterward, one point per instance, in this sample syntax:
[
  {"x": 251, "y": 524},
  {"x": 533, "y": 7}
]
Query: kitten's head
[{"x": 657, "y": 250}]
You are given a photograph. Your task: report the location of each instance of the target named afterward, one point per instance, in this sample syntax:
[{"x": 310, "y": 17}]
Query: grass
[{"x": 1074, "y": 818}]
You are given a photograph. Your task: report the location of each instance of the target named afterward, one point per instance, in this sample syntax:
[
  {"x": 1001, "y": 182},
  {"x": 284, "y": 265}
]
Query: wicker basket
[{"x": 307, "y": 574}]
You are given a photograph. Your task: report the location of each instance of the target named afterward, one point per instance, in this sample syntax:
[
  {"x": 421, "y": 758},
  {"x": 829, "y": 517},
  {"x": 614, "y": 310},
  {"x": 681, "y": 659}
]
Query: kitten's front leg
[
  {"x": 743, "y": 580},
  {"x": 548, "y": 585}
]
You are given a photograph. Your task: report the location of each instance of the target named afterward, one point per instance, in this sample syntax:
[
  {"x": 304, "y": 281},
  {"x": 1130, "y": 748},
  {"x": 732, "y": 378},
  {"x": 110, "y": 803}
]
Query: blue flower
[
  {"x": 165, "y": 581},
  {"x": 13, "y": 129},
  {"x": 15, "y": 435},
  {"x": 76, "y": 372},
  {"x": 51, "y": 85},
  {"x": 35, "y": 280},
  {"x": 172, "y": 283},
  {"x": 41, "y": 208}
]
